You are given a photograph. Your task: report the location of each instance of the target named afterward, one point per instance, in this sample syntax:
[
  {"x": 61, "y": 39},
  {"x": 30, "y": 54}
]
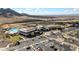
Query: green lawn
[{"x": 15, "y": 38}]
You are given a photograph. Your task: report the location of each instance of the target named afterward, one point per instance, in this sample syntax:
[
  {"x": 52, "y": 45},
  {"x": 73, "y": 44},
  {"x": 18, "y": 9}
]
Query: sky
[{"x": 47, "y": 11}]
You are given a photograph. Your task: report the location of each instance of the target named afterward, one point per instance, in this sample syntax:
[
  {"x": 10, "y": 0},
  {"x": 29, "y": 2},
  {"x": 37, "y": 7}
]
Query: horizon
[{"x": 47, "y": 11}]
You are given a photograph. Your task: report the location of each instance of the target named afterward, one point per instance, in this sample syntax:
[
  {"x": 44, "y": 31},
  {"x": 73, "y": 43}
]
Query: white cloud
[
  {"x": 76, "y": 9},
  {"x": 72, "y": 10}
]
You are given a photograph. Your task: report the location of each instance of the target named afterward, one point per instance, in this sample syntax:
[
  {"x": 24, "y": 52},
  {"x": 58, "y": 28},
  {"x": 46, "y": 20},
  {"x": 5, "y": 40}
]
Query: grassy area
[{"x": 15, "y": 38}]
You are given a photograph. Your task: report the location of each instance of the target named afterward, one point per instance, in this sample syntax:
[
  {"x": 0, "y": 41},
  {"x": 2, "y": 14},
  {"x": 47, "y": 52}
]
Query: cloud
[
  {"x": 72, "y": 10},
  {"x": 76, "y": 9}
]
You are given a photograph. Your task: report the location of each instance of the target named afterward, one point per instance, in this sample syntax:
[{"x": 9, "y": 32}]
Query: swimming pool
[{"x": 13, "y": 30}]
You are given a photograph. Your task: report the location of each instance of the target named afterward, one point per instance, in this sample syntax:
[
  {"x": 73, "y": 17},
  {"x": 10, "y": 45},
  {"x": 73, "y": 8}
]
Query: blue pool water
[{"x": 13, "y": 30}]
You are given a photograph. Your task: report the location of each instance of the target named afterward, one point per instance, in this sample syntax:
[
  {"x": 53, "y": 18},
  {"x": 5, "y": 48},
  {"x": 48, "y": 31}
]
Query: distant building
[
  {"x": 27, "y": 29},
  {"x": 39, "y": 26},
  {"x": 26, "y": 32},
  {"x": 30, "y": 32}
]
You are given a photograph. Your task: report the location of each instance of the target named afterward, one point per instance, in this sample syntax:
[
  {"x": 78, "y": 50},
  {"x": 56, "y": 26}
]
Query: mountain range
[{"x": 9, "y": 13}]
